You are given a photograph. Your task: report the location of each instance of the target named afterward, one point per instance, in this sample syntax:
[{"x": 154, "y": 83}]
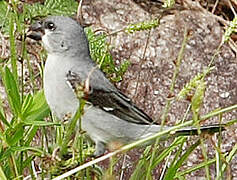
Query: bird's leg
[{"x": 99, "y": 148}]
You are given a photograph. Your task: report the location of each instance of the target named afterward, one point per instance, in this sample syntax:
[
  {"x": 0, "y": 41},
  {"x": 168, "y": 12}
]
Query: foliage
[
  {"x": 142, "y": 26},
  {"x": 192, "y": 85},
  {"x": 15, "y": 136},
  {"x": 28, "y": 110},
  {"x": 52, "y": 7},
  {"x": 231, "y": 29},
  {"x": 168, "y": 3},
  {"x": 25, "y": 12},
  {"x": 99, "y": 50}
]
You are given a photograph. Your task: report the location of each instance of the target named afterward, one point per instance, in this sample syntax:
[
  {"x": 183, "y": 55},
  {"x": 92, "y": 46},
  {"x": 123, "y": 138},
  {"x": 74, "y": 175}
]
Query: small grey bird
[{"x": 108, "y": 115}]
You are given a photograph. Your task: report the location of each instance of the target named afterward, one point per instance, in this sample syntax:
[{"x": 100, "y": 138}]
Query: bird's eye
[{"x": 49, "y": 25}]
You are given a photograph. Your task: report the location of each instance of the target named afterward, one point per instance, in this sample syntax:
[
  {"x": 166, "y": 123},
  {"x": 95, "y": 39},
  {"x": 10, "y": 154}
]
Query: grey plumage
[{"x": 109, "y": 114}]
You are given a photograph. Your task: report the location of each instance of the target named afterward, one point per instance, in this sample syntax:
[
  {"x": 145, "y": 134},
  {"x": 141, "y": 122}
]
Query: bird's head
[{"x": 60, "y": 35}]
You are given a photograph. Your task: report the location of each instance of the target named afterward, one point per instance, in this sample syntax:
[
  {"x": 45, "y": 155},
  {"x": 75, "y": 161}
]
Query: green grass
[{"x": 32, "y": 134}]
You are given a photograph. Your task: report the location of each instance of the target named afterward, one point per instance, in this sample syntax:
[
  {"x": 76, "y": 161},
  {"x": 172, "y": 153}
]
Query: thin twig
[
  {"x": 234, "y": 2},
  {"x": 232, "y": 8},
  {"x": 214, "y": 8},
  {"x": 79, "y": 12},
  {"x": 87, "y": 81},
  {"x": 142, "y": 60},
  {"x": 233, "y": 45},
  {"x": 123, "y": 166}
]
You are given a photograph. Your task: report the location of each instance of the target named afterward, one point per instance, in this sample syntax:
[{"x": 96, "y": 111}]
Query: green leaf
[
  {"x": 6, "y": 153},
  {"x": 139, "y": 172},
  {"x": 14, "y": 135},
  {"x": 100, "y": 53},
  {"x": 2, "y": 114},
  {"x": 198, "y": 97},
  {"x": 28, "y": 160},
  {"x": 3, "y": 119},
  {"x": 168, "y": 3},
  {"x": 27, "y": 104},
  {"x": 228, "y": 158},
  {"x": 171, "y": 172},
  {"x": 12, "y": 91},
  {"x": 4, "y": 23},
  {"x": 2, "y": 174},
  {"x": 142, "y": 26},
  {"x": 36, "y": 108},
  {"x": 1, "y": 136},
  {"x": 29, "y": 136},
  {"x": 230, "y": 30},
  {"x": 52, "y": 7},
  {"x": 195, "y": 168},
  {"x": 192, "y": 84},
  {"x": 26, "y": 148},
  {"x": 165, "y": 153},
  {"x": 40, "y": 123}
]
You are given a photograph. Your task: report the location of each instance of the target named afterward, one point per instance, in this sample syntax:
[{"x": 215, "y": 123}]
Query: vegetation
[{"x": 31, "y": 137}]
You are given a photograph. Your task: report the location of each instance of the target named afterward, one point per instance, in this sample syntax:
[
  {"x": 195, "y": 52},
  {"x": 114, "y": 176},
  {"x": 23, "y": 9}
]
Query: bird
[{"x": 109, "y": 115}]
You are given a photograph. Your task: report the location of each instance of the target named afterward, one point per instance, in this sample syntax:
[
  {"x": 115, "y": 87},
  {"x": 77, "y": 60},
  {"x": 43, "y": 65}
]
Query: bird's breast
[{"x": 60, "y": 97}]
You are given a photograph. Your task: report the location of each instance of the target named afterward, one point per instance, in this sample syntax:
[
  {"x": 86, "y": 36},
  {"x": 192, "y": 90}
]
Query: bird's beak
[{"x": 36, "y": 31}]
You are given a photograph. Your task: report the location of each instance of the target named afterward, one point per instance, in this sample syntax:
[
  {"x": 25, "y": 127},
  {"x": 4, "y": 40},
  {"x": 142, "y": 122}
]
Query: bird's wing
[{"x": 105, "y": 96}]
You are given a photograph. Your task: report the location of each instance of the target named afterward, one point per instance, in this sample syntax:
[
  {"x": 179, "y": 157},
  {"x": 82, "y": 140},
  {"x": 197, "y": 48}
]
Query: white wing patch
[{"x": 108, "y": 108}]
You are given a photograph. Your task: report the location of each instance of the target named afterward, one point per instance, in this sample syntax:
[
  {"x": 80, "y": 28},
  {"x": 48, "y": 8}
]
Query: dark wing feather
[
  {"x": 119, "y": 105},
  {"x": 112, "y": 101}
]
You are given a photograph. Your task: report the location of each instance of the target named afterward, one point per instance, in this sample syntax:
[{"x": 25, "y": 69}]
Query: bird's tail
[
  {"x": 187, "y": 131},
  {"x": 209, "y": 129}
]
